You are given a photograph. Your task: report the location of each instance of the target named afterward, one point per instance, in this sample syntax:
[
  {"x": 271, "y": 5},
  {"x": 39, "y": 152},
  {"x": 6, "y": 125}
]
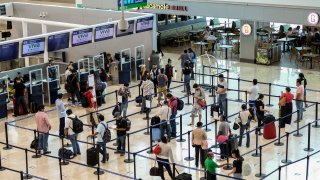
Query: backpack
[
  {"x": 180, "y": 104},
  {"x": 106, "y": 135},
  {"x": 128, "y": 124},
  {"x": 246, "y": 169},
  {"x": 64, "y": 153},
  {"x": 84, "y": 101},
  {"x": 77, "y": 125},
  {"x": 116, "y": 109}
]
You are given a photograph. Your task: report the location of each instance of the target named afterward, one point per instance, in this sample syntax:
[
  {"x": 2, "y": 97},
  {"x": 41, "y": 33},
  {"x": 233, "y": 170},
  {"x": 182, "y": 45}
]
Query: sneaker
[
  {"x": 47, "y": 152},
  {"x": 107, "y": 156},
  {"x": 78, "y": 153},
  {"x": 117, "y": 152}
]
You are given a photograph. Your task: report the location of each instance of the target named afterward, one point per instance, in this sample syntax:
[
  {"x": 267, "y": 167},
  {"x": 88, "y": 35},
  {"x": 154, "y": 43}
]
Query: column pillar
[
  {"x": 45, "y": 54},
  {"x": 248, "y": 43},
  {"x": 25, "y": 34}
]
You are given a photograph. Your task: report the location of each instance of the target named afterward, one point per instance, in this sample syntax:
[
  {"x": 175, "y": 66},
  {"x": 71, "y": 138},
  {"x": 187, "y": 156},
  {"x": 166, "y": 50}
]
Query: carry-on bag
[{"x": 92, "y": 155}]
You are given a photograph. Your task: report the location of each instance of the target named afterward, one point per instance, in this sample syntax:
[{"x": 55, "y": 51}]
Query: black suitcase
[
  {"x": 268, "y": 119},
  {"x": 184, "y": 176},
  {"x": 155, "y": 120},
  {"x": 214, "y": 108},
  {"x": 92, "y": 156},
  {"x": 138, "y": 99},
  {"x": 232, "y": 143}
]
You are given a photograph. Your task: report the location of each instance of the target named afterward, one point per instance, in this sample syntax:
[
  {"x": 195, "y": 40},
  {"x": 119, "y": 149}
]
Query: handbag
[
  {"x": 154, "y": 171},
  {"x": 157, "y": 150},
  {"x": 223, "y": 138},
  {"x": 236, "y": 126},
  {"x": 34, "y": 144},
  {"x": 282, "y": 101}
]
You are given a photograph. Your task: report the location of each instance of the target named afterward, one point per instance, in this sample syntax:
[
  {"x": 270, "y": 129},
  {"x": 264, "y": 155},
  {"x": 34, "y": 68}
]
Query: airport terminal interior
[{"x": 249, "y": 70}]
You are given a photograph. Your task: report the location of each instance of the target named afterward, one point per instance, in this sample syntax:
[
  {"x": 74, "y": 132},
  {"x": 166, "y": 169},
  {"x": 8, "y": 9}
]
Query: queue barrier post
[
  {"x": 269, "y": 103},
  {"x": 37, "y": 155},
  {"x": 279, "y": 174},
  {"x": 239, "y": 100},
  {"x": 27, "y": 176},
  {"x": 116, "y": 97},
  {"x": 139, "y": 86},
  {"x": 64, "y": 162},
  {"x": 205, "y": 174},
  {"x": 246, "y": 95},
  {"x": 260, "y": 174},
  {"x": 316, "y": 116},
  {"x": 180, "y": 138},
  {"x": 1, "y": 168},
  {"x": 279, "y": 134},
  {"x": 98, "y": 172},
  {"x": 297, "y": 134},
  {"x": 174, "y": 169},
  {"x": 21, "y": 175},
  {"x": 7, "y": 147},
  {"x": 188, "y": 100},
  {"x": 60, "y": 168},
  {"x": 189, "y": 158},
  {"x": 256, "y": 154},
  {"x": 207, "y": 129},
  {"x": 216, "y": 145},
  {"x": 148, "y": 123},
  {"x": 308, "y": 149},
  {"x": 151, "y": 150},
  {"x": 227, "y": 167},
  {"x": 307, "y": 168},
  {"x": 212, "y": 87},
  {"x": 134, "y": 166},
  {"x": 226, "y": 113},
  {"x": 129, "y": 160},
  {"x": 286, "y": 161}
]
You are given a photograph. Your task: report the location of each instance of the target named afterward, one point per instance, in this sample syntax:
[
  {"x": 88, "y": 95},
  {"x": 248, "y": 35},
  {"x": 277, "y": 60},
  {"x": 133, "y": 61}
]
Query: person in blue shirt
[{"x": 61, "y": 109}]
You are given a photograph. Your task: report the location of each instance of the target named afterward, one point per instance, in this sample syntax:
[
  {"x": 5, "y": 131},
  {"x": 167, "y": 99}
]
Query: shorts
[
  {"x": 196, "y": 109},
  {"x": 162, "y": 89}
]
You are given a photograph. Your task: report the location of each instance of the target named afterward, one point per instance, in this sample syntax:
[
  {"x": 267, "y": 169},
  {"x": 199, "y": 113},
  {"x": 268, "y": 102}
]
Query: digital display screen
[
  {"x": 81, "y": 37},
  {"x": 33, "y": 47},
  {"x": 3, "y": 10},
  {"x": 9, "y": 51},
  {"x": 58, "y": 41},
  {"x": 104, "y": 32},
  {"x": 128, "y": 31},
  {"x": 144, "y": 24}
]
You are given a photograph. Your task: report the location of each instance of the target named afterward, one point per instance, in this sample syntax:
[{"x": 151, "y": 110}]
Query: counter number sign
[
  {"x": 313, "y": 18},
  {"x": 246, "y": 29}
]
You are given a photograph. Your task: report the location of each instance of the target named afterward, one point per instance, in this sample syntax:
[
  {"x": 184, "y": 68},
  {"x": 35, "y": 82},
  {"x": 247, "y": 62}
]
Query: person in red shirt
[
  {"x": 287, "y": 108},
  {"x": 92, "y": 107},
  {"x": 172, "y": 103}
]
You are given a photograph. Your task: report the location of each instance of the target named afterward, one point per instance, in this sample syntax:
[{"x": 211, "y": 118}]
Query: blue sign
[
  {"x": 58, "y": 41},
  {"x": 33, "y": 47},
  {"x": 9, "y": 51},
  {"x": 132, "y": 3}
]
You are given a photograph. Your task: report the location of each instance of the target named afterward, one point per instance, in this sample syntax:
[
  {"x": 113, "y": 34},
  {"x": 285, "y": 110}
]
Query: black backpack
[
  {"x": 106, "y": 135},
  {"x": 128, "y": 127},
  {"x": 84, "y": 101},
  {"x": 180, "y": 104},
  {"x": 116, "y": 109},
  {"x": 77, "y": 125},
  {"x": 64, "y": 153}
]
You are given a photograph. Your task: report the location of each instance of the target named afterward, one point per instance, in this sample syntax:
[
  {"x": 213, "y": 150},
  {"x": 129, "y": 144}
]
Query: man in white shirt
[
  {"x": 147, "y": 88},
  {"x": 253, "y": 93},
  {"x": 68, "y": 132},
  {"x": 61, "y": 109},
  {"x": 222, "y": 94},
  {"x": 164, "y": 114}
]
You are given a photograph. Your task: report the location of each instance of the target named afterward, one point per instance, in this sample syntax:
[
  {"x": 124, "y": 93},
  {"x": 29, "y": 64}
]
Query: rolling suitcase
[
  {"x": 214, "y": 111},
  {"x": 92, "y": 156},
  {"x": 232, "y": 143},
  {"x": 156, "y": 134},
  {"x": 269, "y": 131}
]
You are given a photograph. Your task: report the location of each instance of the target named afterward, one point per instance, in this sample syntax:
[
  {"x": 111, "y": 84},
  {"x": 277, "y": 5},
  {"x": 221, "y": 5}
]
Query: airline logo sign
[
  {"x": 246, "y": 29},
  {"x": 313, "y": 18},
  {"x": 129, "y": 4},
  {"x": 165, "y": 7}
]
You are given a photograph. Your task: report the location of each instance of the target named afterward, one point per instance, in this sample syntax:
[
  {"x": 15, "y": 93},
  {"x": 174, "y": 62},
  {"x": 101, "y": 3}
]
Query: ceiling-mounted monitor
[
  {"x": 58, "y": 41},
  {"x": 9, "y": 51},
  {"x": 33, "y": 47},
  {"x": 144, "y": 24},
  {"x": 104, "y": 32},
  {"x": 80, "y": 37}
]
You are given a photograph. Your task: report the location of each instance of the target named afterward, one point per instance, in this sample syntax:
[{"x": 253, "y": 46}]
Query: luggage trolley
[
  {"x": 52, "y": 84},
  {"x": 36, "y": 87},
  {"x": 125, "y": 66},
  {"x": 83, "y": 73},
  {"x": 139, "y": 60},
  {"x": 4, "y": 97}
]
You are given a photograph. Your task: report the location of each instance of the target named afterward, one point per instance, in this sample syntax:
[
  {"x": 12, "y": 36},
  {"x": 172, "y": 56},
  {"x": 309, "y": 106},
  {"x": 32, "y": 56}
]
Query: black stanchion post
[
  {"x": 21, "y": 175},
  {"x": 36, "y": 148},
  {"x": 214, "y": 97},
  {"x": 129, "y": 160},
  {"x": 180, "y": 138},
  {"x": 316, "y": 116},
  {"x": 174, "y": 169},
  {"x": 308, "y": 149},
  {"x": 307, "y": 171},
  {"x": 216, "y": 145},
  {"x": 228, "y": 76},
  {"x": 7, "y": 147},
  {"x": 207, "y": 129},
  {"x": 64, "y": 162},
  {"x": 189, "y": 158},
  {"x": 1, "y": 168},
  {"x": 188, "y": 100},
  {"x": 116, "y": 97},
  {"x": 98, "y": 171},
  {"x": 150, "y": 151},
  {"x": 60, "y": 168},
  {"x": 212, "y": 87},
  {"x": 256, "y": 154},
  {"x": 279, "y": 134},
  {"x": 27, "y": 176},
  {"x": 297, "y": 134},
  {"x": 134, "y": 166},
  {"x": 246, "y": 95},
  {"x": 205, "y": 174},
  {"x": 227, "y": 167},
  {"x": 279, "y": 174},
  {"x": 226, "y": 115},
  {"x": 286, "y": 161},
  {"x": 239, "y": 100},
  {"x": 148, "y": 125},
  {"x": 269, "y": 103},
  {"x": 260, "y": 174}
]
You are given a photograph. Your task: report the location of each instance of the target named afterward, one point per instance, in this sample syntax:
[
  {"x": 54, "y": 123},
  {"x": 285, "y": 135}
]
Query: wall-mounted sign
[
  {"x": 246, "y": 29},
  {"x": 165, "y": 7},
  {"x": 3, "y": 10},
  {"x": 129, "y": 4},
  {"x": 313, "y": 18}
]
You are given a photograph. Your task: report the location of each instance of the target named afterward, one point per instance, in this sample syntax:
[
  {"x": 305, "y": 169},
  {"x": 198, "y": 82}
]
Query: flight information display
[
  {"x": 128, "y": 31},
  {"x": 104, "y": 32},
  {"x": 9, "y": 51},
  {"x": 81, "y": 37},
  {"x": 33, "y": 47},
  {"x": 144, "y": 24},
  {"x": 58, "y": 41}
]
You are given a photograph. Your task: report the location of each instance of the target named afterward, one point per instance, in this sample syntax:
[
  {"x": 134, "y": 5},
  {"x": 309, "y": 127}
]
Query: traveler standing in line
[
  {"x": 19, "y": 76},
  {"x": 43, "y": 127},
  {"x": 162, "y": 80},
  {"x": 154, "y": 59},
  {"x": 154, "y": 72},
  {"x": 260, "y": 111},
  {"x": 19, "y": 89},
  {"x": 287, "y": 109},
  {"x": 173, "y": 104},
  {"x": 184, "y": 57},
  {"x": 299, "y": 100},
  {"x": 165, "y": 154},
  {"x": 169, "y": 73},
  {"x": 74, "y": 86},
  {"x": 92, "y": 118},
  {"x": 222, "y": 94},
  {"x": 147, "y": 88},
  {"x": 199, "y": 95},
  {"x": 244, "y": 122},
  {"x": 104, "y": 79},
  {"x": 253, "y": 92},
  {"x": 211, "y": 166},
  {"x": 237, "y": 164},
  {"x": 121, "y": 133},
  {"x": 224, "y": 130},
  {"x": 164, "y": 114},
  {"x": 102, "y": 127},
  {"x": 70, "y": 134},
  {"x": 125, "y": 93},
  {"x": 61, "y": 109},
  {"x": 66, "y": 86},
  {"x": 199, "y": 135},
  {"x": 192, "y": 56},
  {"x": 305, "y": 83},
  {"x": 143, "y": 73},
  {"x": 187, "y": 77}
]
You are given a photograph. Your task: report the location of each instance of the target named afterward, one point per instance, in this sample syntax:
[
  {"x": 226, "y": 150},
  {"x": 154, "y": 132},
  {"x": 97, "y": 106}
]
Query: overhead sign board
[
  {"x": 165, "y": 7},
  {"x": 313, "y": 18},
  {"x": 246, "y": 29},
  {"x": 129, "y": 4}
]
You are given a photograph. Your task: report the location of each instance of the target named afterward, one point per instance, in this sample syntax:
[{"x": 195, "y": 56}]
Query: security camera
[{"x": 123, "y": 25}]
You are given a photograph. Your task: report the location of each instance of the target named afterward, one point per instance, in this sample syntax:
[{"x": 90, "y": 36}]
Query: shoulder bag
[
  {"x": 223, "y": 138},
  {"x": 154, "y": 171}
]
